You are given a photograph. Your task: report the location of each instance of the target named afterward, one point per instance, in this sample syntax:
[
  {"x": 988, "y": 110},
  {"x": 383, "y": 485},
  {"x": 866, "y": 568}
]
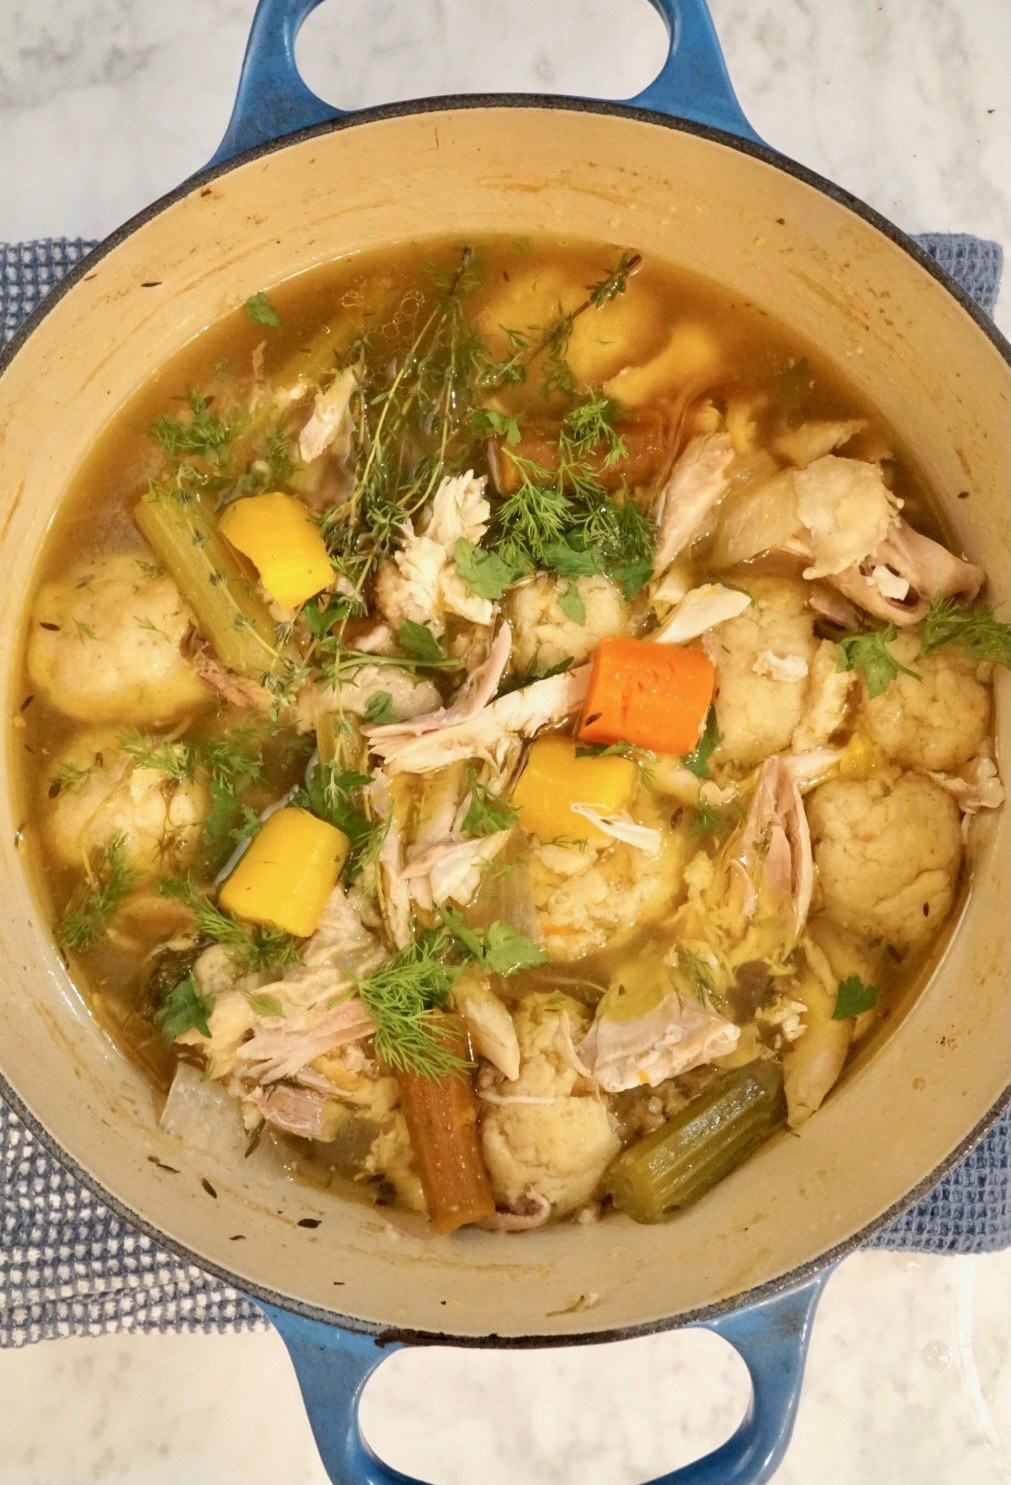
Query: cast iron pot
[{"x": 678, "y": 173}]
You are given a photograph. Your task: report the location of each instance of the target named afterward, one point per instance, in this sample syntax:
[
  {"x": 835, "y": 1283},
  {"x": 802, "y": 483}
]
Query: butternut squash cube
[
  {"x": 277, "y": 534},
  {"x": 286, "y": 877},
  {"x": 554, "y": 779}
]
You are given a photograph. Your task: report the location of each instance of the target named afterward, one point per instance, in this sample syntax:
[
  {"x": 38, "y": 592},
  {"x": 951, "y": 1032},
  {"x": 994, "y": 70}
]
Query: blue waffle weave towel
[{"x": 69, "y": 1267}]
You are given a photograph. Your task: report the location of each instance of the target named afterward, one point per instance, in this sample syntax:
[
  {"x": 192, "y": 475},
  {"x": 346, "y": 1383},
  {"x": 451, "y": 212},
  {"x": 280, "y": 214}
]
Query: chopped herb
[
  {"x": 697, "y": 970},
  {"x": 712, "y": 819},
  {"x": 379, "y": 709},
  {"x": 250, "y": 948},
  {"x": 616, "y": 750},
  {"x": 569, "y": 560},
  {"x": 486, "y": 573},
  {"x": 69, "y": 776},
  {"x": 198, "y": 431},
  {"x": 143, "y": 623},
  {"x": 572, "y": 605},
  {"x": 697, "y": 761},
  {"x": 870, "y": 654},
  {"x": 488, "y": 812},
  {"x": 419, "y": 644},
  {"x": 99, "y": 898},
  {"x": 176, "y": 760},
  {"x": 186, "y": 1008},
  {"x": 251, "y": 824},
  {"x": 487, "y": 420},
  {"x": 84, "y": 631},
  {"x": 260, "y": 310},
  {"x": 403, "y": 997},
  {"x": 973, "y": 628},
  {"x": 853, "y": 997},
  {"x": 338, "y": 607},
  {"x": 332, "y": 793},
  {"x": 264, "y": 1005},
  {"x": 501, "y": 948},
  {"x": 528, "y": 678}
]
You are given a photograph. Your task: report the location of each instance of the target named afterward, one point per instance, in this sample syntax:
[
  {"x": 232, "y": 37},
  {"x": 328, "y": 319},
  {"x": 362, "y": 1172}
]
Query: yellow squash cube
[
  {"x": 554, "y": 779},
  {"x": 277, "y": 534},
  {"x": 288, "y": 873}
]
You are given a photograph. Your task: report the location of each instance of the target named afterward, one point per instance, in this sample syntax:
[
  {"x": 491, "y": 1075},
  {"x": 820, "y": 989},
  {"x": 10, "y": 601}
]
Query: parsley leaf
[
  {"x": 184, "y": 1009},
  {"x": 419, "y": 644},
  {"x": 486, "y": 573},
  {"x": 853, "y": 997},
  {"x": 488, "y": 812},
  {"x": 501, "y": 948},
  {"x": 870, "y": 654},
  {"x": 974, "y": 629},
  {"x": 697, "y": 761},
  {"x": 260, "y": 310},
  {"x": 487, "y": 420},
  {"x": 572, "y": 605},
  {"x": 322, "y": 618},
  {"x": 379, "y": 709},
  {"x": 634, "y": 577},
  {"x": 98, "y": 900},
  {"x": 527, "y": 679},
  {"x": 571, "y": 561}
]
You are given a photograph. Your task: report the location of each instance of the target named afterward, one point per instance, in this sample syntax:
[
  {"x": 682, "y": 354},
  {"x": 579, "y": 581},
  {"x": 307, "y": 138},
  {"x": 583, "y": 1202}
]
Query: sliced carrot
[
  {"x": 656, "y": 696},
  {"x": 441, "y": 1115}
]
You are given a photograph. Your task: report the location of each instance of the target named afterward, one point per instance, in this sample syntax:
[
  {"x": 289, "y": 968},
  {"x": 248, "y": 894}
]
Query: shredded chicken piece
[
  {"x": 697, "y": 481},
  {"x": 530, "y": 1210},
  {"x": 781, "y": 667},
  {"x": 979, "y": 787},
  {"x": 299, "y": 1111},
  {"x": 236, "y": 689},
  {"x": 491, "y": 1027},
  {"x": 847, "y": 510},
  {"x": 699, "y": 610},
  {"x": 776, "y": 845},
  {"x": 810, "y": 769},
  {"x": 420, "y": 582},
  {"x": 450, "y": 871},
  {"x": 622, "y": 827},
  {"x": 829, "y": 697},
  {"x": 928, "y": 570},
  {"x": 672, "y": 1036},
  {"x": 329, "y": 426},
  {"x": 811, "y": 441},
  {"x": 271, "y": 1055},
  {"x": 489, "y": 732},
  {"x": 475, "y": 694}
]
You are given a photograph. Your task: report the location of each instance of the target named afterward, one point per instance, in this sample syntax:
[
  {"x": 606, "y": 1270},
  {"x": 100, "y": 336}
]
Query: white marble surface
[{"x": 103, "y": 105}]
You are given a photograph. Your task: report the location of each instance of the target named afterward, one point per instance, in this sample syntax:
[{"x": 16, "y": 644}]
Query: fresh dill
[
  {"x": 99, "y": 898},
  {"x": 698, "y": 971},
  {"x": 250, "y": 948},
  {"x": 198, "y": 431},
  {"x": 334, "y": 794},
  {"x": 84, "y": 631},
  {"x": 869, "y": 653},
  {"x": 176, "y": 760},
  {"x": 487, "y": 812},
  {"x": 404, "y": 998},
  {"x": 973, "y": 628},
  {"x": 68, "y": 776}
]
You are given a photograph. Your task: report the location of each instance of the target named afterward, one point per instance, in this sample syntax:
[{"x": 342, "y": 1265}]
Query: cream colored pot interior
[{"x": 809, "y": 261}]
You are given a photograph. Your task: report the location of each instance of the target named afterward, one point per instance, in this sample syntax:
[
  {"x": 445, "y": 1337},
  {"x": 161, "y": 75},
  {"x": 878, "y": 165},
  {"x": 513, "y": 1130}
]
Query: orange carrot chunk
[
  {"x": 655, "y": 696},
  {"x": 441, "y": 1116}
]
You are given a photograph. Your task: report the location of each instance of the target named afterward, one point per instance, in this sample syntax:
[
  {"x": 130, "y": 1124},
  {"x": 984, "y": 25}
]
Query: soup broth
[{"x": 508, "y": 713}]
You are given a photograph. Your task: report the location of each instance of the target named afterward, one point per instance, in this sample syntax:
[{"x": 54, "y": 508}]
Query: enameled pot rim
[{"x": 385, "y": 1335}]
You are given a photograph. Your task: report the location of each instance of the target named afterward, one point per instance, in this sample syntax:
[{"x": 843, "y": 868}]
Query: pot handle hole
[
  {"x": 272, "y": 100},
  {"x": 332, "y": 1367}
]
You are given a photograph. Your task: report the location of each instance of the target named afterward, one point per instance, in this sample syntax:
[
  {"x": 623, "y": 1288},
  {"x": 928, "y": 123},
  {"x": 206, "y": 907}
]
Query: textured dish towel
[{"x": 69, "y": 1267}]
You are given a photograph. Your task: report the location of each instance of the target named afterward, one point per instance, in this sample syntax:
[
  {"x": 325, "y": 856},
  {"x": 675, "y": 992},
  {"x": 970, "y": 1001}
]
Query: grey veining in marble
[{"x": 104, "y": 104}]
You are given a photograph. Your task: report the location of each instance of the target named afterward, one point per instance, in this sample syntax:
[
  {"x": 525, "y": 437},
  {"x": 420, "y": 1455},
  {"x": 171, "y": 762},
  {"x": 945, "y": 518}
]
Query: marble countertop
[{"x": 105, "y": 104}]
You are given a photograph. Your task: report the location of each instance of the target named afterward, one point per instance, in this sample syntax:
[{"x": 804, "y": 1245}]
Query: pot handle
[
  {"x": 272, "y": 100},
  {"x": 332, "y": 1367}
]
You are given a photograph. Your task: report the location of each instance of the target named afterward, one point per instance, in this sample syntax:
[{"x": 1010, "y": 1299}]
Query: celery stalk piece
[
  {"x": 215, "y": 583},
  {"x": 702, "y": 1143}
]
